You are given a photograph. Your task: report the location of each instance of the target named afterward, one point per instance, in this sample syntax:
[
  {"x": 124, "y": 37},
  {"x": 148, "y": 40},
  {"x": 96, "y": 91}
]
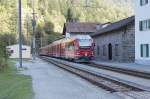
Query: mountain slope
[
  {"x": 52, "y": 14},
  {"x": 96, "y": 11}
]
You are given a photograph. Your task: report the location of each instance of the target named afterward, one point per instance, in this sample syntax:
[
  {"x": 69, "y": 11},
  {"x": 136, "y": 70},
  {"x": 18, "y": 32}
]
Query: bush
[
  {"x": 3, "y": 55},
  {"x": 3, "y": 64}
]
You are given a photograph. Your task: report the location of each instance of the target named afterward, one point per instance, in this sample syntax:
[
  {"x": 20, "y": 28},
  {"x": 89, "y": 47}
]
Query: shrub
[{"x": 3, "y": 55}]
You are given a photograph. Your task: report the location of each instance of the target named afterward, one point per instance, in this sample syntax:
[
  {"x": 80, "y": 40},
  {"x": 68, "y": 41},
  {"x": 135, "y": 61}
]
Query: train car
[
  {"x": 78, "y": 48},
  {"x": 43, "y": 51}
]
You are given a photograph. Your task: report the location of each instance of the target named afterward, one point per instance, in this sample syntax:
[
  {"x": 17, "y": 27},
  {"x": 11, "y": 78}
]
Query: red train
[{"x": 79, "y": 48}]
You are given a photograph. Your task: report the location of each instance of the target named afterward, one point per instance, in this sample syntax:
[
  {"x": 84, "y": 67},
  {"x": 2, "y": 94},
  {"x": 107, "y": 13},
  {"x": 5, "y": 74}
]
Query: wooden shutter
[
  {"x": 141, "y": 2},
  {"x": 149, "y": 23},
  {"x": 141, "y": 50},
  {"x": 141, "y": 25},
  {"x": 146, "y": 1},
  {"x": 147, "y": 50}
]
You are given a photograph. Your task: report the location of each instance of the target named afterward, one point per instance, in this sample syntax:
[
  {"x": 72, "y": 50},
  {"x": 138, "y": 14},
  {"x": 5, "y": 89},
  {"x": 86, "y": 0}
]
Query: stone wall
[
  {"x": 128, "y": 44},
  {"x": 123, "y": 45}
]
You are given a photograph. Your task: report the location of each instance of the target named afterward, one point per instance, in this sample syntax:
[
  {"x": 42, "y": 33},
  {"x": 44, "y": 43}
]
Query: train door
[{"x": 59, "y": 50}]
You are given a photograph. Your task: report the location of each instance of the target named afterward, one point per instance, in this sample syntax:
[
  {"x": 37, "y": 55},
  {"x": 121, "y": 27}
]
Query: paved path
[{"x": 50, "y": 82}]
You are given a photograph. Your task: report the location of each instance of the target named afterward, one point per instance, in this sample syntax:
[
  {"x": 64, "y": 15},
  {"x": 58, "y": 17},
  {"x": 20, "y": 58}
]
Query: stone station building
[{"x": 116, "y": 41}]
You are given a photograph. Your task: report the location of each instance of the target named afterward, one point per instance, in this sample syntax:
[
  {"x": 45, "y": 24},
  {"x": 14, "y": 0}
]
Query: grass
[
  {"x": 24, "y": 59},
  {"x": 14, "y": 85}
]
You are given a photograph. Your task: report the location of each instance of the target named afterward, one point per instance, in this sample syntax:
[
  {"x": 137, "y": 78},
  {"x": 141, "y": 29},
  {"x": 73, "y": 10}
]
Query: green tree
[
  {"x": 69, "y": 16},
  {"x": 9, "y": 39},
  {"x": 52, "y": 14},
  {"x": 3, "y": 55},
  {"x": 49, "y": 27}
]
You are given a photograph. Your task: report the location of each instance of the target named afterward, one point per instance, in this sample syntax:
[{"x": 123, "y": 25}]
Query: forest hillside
[{"x": 52, "y": 14}]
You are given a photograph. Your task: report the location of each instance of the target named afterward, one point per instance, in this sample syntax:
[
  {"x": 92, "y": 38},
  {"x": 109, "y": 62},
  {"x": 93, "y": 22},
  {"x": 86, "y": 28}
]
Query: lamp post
[{"x": 20, "y": 34}]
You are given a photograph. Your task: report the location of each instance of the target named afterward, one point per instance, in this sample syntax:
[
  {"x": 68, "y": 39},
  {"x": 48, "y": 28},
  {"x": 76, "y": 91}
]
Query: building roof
[
  {"x": 79, "y": 27},
  {"x": 114, "y": 26}
]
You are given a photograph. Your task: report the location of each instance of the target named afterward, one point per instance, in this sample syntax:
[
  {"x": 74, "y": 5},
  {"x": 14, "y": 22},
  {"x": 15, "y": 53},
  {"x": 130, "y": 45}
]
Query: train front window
[
  {"x": 85, "y": 43},
  {"x": 85, "y": 47}
]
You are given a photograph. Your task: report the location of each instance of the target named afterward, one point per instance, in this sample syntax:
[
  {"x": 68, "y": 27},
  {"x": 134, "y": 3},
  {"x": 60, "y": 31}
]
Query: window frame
[
  {"x": 143, "y": 2},
  {"x": 144, "y": 25},
  {"x": 146, "y": 53}
]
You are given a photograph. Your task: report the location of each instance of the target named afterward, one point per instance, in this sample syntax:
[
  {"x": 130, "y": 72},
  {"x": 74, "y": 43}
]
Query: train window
[
  {"x": 85, "y": 47},
  {"x": 71, "y": 46},
  {"x": 24, "y": 49},
  {"x": 85, "y": 43}
]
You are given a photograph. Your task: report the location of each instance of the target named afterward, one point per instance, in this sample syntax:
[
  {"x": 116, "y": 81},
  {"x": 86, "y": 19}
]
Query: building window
[
  {"x": 24, "y": 49},
  {"x": 143, "y": 2},
  {"x": 144, "y": 25},
  {"x": 144, "y": 50},
  {"x": 11, "y": 51},
  {"x": 117, "y": 49},
  {"x": 98, "y": 50},
  {"x": 104, "y": 50}
]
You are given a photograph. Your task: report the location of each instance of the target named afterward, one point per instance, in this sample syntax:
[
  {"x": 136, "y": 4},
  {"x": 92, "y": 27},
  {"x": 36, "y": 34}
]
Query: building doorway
[{"x": 110, "y": 51}]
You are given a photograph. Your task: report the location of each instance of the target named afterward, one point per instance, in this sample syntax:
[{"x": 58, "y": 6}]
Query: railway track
[
  {"x": 130, "y": 72},
  {"x": 104, "y": 81}
]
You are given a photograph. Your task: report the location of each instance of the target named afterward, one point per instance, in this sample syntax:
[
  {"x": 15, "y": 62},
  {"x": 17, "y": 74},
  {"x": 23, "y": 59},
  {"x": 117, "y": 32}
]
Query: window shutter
[
  {"x": 141, "y": 2},
  {"x": 146, "y": 1},
  {"x": 149, "y": 23},
  {"x": 147, "y": 50},
  {"x": 141, "y": 25},
  {"x": 141, "y": 50}
]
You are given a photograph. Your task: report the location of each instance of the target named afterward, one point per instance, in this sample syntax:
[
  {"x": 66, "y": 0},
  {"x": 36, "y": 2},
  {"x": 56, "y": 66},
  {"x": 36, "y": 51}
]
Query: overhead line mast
[
  {"x": 20, "y": 34},
  {"x": 33, "y": 36}
]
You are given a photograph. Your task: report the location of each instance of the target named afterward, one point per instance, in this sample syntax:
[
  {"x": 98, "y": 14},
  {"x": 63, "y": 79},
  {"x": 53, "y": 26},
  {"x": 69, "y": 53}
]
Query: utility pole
[
  {"x": 20, "y": 34},
  {"x": 27, "y": 19},
  {"x": 33, "y": 36}
]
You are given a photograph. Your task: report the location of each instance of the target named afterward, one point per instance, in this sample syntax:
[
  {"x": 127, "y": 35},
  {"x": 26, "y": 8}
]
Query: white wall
[
  {"x": 25, "y": 53},
  {"x": 141, "y": 37}
]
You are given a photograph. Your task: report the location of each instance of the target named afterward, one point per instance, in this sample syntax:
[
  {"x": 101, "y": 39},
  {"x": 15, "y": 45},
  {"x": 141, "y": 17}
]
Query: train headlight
[
  {"x": 92, "y": 53},
  {"x": 86, "y": 54},
  {"x": 78, "y": 53}
]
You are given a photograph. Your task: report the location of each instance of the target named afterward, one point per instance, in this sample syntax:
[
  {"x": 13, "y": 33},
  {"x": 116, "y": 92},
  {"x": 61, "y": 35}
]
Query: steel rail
[
  {"x": 103, "y": 81},
  {"x": 130, "y": 72}
]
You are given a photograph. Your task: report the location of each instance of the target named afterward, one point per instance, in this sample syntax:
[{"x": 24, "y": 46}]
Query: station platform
[
  {"x": 132, "y": 66},
  {"x": 51, "y": 82}
]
